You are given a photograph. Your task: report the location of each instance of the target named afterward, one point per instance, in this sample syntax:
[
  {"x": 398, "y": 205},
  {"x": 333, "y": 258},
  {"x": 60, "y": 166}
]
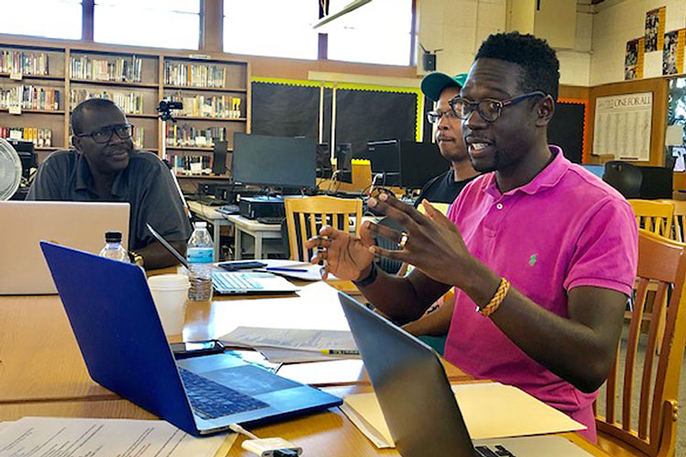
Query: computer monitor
[
  {"x": 657, "y": 183},
  {"x": 274, "y": 161},
  {"x": 219, "y": 152},
  {"x": 420, "y": 162},
  {"x": 385, "y": 159},
  {"x": 324, "y": 169},
  {"x": 27, "y": 155}
]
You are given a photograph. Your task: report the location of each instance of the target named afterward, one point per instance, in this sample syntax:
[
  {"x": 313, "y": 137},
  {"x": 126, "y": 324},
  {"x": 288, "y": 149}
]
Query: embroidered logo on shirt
[{"x": 532, "y": 260}]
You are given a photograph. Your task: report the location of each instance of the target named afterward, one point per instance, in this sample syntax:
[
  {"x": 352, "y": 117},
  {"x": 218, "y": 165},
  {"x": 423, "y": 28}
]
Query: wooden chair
[
  {"x": 679, "y": 230},
  {"x": 663, "y": 261},
  {"x": 305, "y": 216},
  {"x": 654, "y": 216}
]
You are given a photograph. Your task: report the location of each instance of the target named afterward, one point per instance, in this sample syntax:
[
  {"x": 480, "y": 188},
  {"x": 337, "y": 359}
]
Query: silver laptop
[
  {"x": 235, "y": 283},
  {"x": 23, "y": 225},
  {"x": 415, "y": 396}
]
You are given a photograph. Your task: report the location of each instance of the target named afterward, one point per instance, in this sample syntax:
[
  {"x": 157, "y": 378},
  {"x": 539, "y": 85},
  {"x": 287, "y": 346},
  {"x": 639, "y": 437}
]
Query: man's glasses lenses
[
  {"x": 434, "y": 117},
  {"x": 104, "y": 135}
]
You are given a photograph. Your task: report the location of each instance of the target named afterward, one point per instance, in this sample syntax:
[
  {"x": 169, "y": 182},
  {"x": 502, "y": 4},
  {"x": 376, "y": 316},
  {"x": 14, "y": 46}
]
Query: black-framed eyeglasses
[
  {"x": 104, "y": 135},
  {"x": 489, "y": 109},
  {"x": 434, "y": 117}
]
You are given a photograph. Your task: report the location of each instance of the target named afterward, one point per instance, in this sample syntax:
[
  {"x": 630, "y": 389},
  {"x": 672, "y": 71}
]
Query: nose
[
  {"x": 442, "y": 122},
  {"x": 474, "y": 121}
]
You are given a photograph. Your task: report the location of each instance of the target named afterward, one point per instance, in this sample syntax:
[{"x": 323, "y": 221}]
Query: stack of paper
[
  {"x": 51, "y": 436},
  {"x": 490, "y": 410},
  {"x": 284, "y": 345}
]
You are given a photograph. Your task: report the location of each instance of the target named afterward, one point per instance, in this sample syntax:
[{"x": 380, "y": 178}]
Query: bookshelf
[{"x": 41, "y": 84}]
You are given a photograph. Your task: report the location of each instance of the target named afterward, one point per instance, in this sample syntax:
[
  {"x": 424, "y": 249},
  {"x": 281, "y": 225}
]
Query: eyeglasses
[
  {"x": 434, "y": 117},
  {"x": 104, "y": 135},
  {"x": 489, "y": 109}
]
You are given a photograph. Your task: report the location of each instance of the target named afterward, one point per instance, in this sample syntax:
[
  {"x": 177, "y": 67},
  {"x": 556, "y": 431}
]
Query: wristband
[
  {"x": 500, "y": 294},
  {"x": 371, "y": 277},
  {"x": 136, "y": 258}
]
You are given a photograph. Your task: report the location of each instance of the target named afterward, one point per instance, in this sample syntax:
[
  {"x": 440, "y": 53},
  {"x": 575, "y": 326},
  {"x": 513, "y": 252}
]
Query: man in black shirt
[{"x": 441, "y": 88}]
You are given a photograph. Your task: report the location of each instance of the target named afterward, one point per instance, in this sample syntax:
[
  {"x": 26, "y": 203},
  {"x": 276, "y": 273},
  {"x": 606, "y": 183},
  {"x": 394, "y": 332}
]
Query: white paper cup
[{"x": 170, "y": 293}]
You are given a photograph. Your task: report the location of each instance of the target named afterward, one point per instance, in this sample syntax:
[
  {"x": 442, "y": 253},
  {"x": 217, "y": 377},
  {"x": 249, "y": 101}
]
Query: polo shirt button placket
[{"x": 499, "y": 206}]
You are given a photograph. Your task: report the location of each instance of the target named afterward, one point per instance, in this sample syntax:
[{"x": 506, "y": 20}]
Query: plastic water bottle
[
  {"x": 199, "y": 254},
  {"x": 113, "y": 248}
]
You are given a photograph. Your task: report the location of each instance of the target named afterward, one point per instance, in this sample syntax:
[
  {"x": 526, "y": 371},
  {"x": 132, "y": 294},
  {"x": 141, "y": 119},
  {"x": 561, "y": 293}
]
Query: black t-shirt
[{"x": 443, "y": 188}]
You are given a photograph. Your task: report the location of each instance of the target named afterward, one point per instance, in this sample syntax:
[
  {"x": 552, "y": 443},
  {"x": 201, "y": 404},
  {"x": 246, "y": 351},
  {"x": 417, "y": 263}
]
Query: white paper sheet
[{"x": 75, "y": 437}]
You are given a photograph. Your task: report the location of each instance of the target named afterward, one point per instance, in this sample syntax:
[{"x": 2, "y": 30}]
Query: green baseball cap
[{"x": 434, "y": 83}]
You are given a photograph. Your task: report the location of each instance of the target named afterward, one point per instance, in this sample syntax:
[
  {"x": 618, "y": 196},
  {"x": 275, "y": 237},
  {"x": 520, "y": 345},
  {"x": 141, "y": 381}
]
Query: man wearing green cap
[
  {"x": 444, "y": 188},
  {"x": 441, "y": 88}
]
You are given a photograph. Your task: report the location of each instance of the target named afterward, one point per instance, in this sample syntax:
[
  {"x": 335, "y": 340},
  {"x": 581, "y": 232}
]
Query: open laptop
[
  {"x": 415, "y": 396},
  {"x": 235, "y": 283},
  {"x": 24, "y": 224},
  {"x": 118, "y": 330}
]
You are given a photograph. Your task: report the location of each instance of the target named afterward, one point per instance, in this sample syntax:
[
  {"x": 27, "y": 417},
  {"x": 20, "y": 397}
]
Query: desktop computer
[
  {"x": 657, "y": 183},
  {"x": 419, "y": 163},
  {"x": 384, "y": 156},
  {"x": 344, "y": 157}
]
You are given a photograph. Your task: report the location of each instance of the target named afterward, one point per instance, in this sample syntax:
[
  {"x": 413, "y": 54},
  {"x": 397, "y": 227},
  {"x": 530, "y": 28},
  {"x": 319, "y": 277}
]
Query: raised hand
[
  {"x": 345, "y": 256},
  {"x": 431, "y": 242}
]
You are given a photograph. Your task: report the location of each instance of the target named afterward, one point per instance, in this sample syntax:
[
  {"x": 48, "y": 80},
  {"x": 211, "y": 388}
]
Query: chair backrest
[
  {"x": 654, "y": 216},
  {"x": 679, "y": 230},
  {"x": 660, "y": 261},
  {"x": 305, "y": 216},
  {"x": 624, "y": 177}
]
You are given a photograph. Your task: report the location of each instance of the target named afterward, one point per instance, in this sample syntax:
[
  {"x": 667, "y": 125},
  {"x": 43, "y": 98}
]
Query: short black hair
[
  {"x": 538, "y": 61},
  {"x": 92, "y": 103}
]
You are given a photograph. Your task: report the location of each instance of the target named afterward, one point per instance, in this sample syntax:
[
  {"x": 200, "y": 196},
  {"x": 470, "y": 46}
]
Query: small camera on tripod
[{"x": 165, "y": 107}]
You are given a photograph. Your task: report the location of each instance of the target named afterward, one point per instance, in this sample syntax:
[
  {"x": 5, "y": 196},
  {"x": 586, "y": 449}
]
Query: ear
[
  {"x": 76, "y": 142},
  {"x": 546, "y": 109}
]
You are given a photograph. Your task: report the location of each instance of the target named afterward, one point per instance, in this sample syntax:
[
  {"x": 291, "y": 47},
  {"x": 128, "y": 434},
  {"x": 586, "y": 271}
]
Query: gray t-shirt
[{"x": 146, "y": 184}]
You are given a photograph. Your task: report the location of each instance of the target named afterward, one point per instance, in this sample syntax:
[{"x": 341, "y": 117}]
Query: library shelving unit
[{"x": 41, "y": 84}]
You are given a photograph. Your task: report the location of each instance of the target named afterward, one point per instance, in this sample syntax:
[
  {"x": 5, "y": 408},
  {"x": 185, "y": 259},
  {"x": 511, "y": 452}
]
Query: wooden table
[{"x": 42, "y": 372}]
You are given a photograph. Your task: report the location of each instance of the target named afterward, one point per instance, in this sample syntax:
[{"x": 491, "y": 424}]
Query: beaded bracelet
[{"x": 497, "y": 299}]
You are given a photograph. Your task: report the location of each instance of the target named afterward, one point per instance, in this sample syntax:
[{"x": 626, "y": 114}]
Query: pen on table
[
  {"x": 300, "y": 270},
  {"x": 340, "y": 352}
]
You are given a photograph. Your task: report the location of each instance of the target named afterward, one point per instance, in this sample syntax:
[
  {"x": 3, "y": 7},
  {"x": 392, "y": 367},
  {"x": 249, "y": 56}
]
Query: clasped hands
[{"x": 431, "y": 243}]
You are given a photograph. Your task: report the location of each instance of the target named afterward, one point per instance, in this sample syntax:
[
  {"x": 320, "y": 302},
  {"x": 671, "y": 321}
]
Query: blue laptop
[{"x": 118, "y": 330}]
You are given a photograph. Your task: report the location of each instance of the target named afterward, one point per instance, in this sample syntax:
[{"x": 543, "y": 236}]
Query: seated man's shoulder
[
  {"x": 590, "y": 187},
  {"x": 61, "y": 159}
]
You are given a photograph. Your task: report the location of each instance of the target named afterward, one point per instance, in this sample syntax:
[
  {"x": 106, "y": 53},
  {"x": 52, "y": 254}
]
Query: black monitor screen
[
  {"x": 420, "y": 162},
  {"x": 27, "y": 155},
  {"x": 274, "y": 161},
  {"x": 657, "y": 182},
  {"x": 384, "y": 156}
]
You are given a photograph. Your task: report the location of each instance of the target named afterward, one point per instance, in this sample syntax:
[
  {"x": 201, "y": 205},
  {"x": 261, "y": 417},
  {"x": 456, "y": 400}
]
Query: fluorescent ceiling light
[{"x": 352, "y": 6}]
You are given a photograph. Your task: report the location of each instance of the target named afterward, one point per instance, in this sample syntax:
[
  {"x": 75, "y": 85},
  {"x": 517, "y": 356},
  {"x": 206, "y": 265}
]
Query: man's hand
[
  {"x": 433, "y": 243},
  {"x": 345, "y": 256}
]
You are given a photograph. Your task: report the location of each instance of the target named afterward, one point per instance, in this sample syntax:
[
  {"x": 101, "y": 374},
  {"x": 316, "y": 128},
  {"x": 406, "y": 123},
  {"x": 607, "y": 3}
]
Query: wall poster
[
  {"x": 673, "y": 52},
  {"x": 634, "y": 60},
  {"x": 655, "y": 29},
  {"x": 622, "y": 126}
]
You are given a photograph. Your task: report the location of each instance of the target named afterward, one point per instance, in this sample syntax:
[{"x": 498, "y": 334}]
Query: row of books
[
  {"x": 222, "y": 106},
  {"x": 137, "y": 137},
  {"x": 191, "y": 165},
  {"x": 24, "y": 63},
  {"x": 190, "y": 136},
  {"x": 194, "y": 75},
  {"x": 40, "y": 137},
  {"x": 30, "y": 97},
  {"x": 129, "y": 102},
  {"x": 121, "y": 70}
]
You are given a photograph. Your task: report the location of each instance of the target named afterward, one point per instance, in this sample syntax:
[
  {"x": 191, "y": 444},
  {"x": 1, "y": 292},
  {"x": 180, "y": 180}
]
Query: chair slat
[
  {"x": 611, "y": 391},
  {"x": 303, "y": 235},
  {"x": 631, "y": 349}
]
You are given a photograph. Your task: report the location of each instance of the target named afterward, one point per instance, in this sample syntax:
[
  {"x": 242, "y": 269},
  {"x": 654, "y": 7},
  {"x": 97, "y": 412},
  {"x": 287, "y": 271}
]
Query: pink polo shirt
[{"x": 564, "y": 229}]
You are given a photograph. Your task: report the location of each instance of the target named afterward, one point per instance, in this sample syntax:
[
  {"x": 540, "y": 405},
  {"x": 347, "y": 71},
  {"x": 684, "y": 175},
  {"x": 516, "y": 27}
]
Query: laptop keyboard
[
  {"x": 493, "y": 451},
  {"x": 234, "y": 281},
  {"x": 211, "y": 400}
]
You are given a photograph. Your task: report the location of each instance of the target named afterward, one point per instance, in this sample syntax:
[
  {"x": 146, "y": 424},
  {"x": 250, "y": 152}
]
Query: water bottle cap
[
  {"x": 113, "y": 237},
  {"x": 200, "y": 224}
]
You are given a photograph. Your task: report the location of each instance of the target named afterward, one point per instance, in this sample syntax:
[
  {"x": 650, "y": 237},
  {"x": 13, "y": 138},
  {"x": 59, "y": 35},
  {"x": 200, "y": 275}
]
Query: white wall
[
  {"x": 459, "y": 27},
  {"x": 619, "y": 21}
]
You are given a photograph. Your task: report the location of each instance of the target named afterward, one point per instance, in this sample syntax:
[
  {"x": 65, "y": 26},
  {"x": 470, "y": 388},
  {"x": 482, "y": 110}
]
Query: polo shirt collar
[
  {"x": 84, "y": 179},
  {"x": 547, "y": 178}
]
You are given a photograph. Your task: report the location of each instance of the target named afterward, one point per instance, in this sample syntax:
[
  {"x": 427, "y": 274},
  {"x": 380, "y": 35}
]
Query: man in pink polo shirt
[{"x": 541, "y": 253}]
